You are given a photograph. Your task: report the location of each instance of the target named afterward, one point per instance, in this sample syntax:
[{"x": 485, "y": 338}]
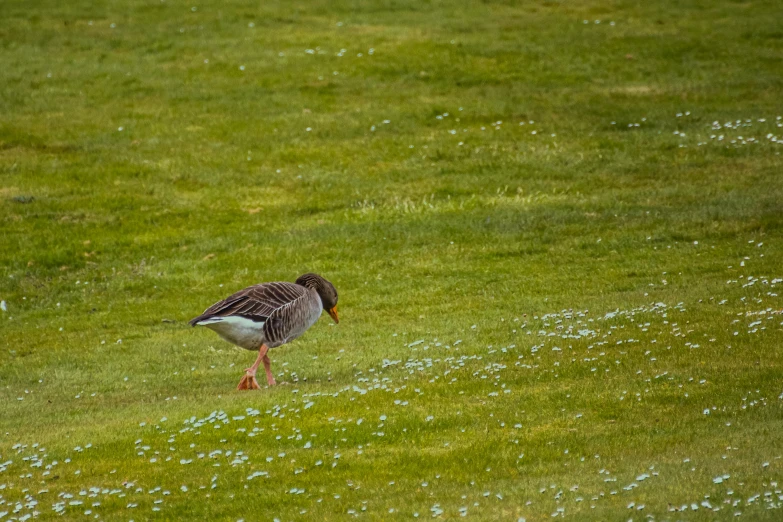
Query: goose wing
[{"x": 256, "y": 302}]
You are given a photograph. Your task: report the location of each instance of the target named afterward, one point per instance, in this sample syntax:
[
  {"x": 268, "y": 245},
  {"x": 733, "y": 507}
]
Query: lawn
[{"x": 556, "y": 229}]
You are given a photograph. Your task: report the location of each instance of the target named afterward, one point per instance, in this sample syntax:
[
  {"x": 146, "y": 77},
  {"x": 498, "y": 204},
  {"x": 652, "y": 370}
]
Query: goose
[{"x": 268, "y": 315}]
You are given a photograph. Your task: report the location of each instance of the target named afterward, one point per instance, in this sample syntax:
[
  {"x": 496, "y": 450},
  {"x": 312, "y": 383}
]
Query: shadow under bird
[{"x": 268, "y": 315}]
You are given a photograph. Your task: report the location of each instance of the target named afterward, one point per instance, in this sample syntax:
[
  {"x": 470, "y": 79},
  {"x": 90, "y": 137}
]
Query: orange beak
[{"x": 333, "y": 313}]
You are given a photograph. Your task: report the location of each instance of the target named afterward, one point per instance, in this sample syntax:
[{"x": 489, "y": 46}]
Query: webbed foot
[{"x": 248, "y": 382}]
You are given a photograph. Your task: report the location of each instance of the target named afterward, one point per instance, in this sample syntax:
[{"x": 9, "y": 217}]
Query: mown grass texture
[{"x": 556, "y": 229}]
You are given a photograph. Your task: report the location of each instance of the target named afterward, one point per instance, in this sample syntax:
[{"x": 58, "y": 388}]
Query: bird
[{"x": 268, "y": 315}]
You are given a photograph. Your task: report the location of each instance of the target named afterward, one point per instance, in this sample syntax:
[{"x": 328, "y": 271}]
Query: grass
[{"x": 559, "y": 278}]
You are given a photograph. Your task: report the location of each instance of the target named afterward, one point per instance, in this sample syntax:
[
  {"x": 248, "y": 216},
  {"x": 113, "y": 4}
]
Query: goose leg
[
  {"x": 248, "y": 381},
  {"x": 268, "y": 367}
]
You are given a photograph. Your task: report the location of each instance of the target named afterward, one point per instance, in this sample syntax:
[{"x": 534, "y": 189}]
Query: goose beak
[{"x": 333, "y": 313}]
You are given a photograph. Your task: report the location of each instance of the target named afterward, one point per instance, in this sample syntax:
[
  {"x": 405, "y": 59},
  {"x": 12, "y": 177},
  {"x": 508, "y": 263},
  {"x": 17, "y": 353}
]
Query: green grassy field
[{"x": 556, "y": 229}]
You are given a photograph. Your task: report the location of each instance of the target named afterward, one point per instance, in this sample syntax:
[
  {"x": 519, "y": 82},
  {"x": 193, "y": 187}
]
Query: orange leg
[
  {"x": 268, "y": 367},
  {"x": 248, "y": 381}
]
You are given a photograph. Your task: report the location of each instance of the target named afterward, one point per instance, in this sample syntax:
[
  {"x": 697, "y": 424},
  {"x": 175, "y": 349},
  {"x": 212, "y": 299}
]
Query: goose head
[{"x": 325, "y": 290}]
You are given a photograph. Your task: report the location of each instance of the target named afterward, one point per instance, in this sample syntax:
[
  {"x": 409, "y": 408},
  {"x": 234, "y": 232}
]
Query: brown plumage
[{"x": 268, "y": 315}]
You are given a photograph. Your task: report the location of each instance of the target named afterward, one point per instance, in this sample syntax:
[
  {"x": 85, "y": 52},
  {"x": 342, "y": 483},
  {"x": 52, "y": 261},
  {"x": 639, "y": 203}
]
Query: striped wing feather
[{"x": 257, "y": 302}]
